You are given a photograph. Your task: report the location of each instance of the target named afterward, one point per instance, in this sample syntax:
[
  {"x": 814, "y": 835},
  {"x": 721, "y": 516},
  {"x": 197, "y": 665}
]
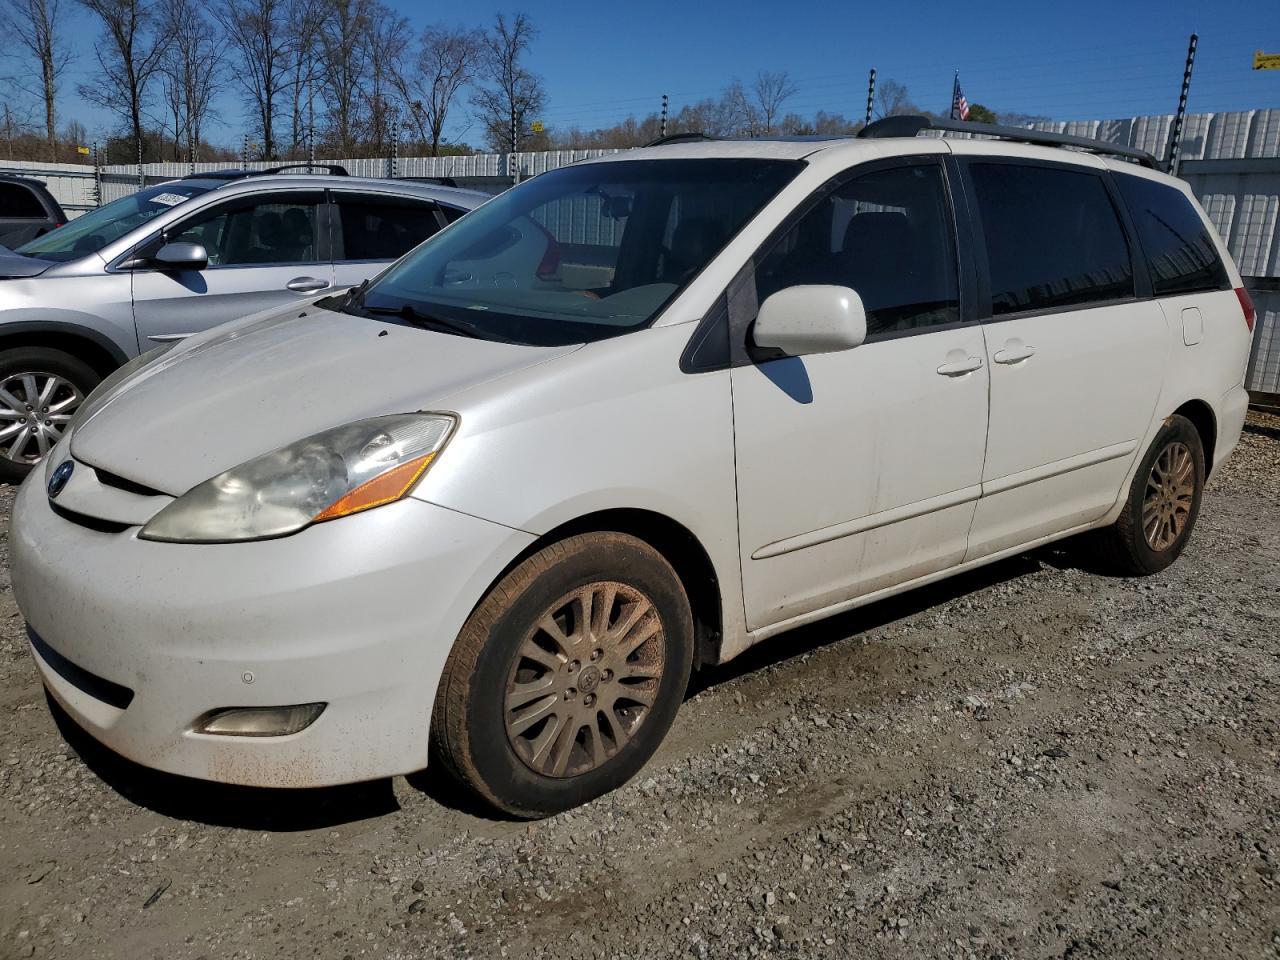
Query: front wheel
[
  {"x": 566, "y": 677},
  {"x": 40, "y": 390},
  {"x": 1163, "y": 503}
]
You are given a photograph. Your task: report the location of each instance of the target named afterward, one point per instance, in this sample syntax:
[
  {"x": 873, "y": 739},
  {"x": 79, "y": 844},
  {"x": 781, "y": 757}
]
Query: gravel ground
[{"x": 1027, "y": 761}]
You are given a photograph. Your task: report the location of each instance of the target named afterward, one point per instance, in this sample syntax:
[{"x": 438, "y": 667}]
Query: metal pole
[
  {"x": 955, "y": 89},
  {"x": 391, "y": 158},
  {"x": 97, "y": 176},
  {"x": 663, "y": 130},
  {"x": 311, "y": 123},
  {"x": 1179, "y": 118},
  {"x": 515, "y": 132},
  {"x": 871, "y": 93},
  {"x": 142, "y": 180},
  {"x": 244, "y": 153}
]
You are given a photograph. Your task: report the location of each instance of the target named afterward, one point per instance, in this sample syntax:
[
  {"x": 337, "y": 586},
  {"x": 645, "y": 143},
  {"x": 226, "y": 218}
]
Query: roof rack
[
  {"x": 334, "y": 169},
  {"x": 910, "y": 125},
  {"x": 689, "y": 137},
  {"x": 438, "y": 181}
]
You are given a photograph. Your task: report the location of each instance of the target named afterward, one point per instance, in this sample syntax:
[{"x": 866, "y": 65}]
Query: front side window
[
  {"x": 886, "y": 234},
  {"x": 1177, "y": 242},
  {"x": 275, "y": 228},
  {"x": 94, "y": 230},
  {"x": 20, "y": 202},
  {"x": 577, "y": 254},
  {"x": 382, "y": 228},
  {"x": 1053, "y": 237}
]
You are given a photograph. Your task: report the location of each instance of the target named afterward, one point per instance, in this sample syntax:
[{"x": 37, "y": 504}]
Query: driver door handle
[{"x": 307, "y": 284}]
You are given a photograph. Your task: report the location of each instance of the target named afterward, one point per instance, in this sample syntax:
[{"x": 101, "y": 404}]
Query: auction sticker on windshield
[{"x": 168, "y": 199}]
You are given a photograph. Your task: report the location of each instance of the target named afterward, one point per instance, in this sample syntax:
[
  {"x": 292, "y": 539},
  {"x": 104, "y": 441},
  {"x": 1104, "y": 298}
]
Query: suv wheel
[
  {"x": 1162, "y": 505},
  {"x": 40, "y": 389},
  {"x": 566, "y": 677}
]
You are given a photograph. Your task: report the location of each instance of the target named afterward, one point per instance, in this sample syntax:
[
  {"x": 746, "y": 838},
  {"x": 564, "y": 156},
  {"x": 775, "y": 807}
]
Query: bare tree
[
  {"x": 389, "y": 40},
  {"x": 892, "y": 99},
  {"x": 129, "y": 57},
  {"x": 445, "y": 63},
  {"x": 511, "y": 96},
  {"x": 303, "y": 72},
  {"x": 771, "y": 91},
  {"x": 191, "y": 72},
  {"x": 260, "y": 36},
  {"x": 35, "y": 26},
  {"x": 342, "y": 48}
]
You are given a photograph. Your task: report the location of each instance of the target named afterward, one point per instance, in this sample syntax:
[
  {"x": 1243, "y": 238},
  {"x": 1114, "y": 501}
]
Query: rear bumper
[{"x": 359, "y": 614}]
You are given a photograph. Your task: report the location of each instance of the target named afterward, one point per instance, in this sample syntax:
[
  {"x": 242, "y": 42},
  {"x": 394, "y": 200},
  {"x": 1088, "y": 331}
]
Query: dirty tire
[
  {"x": 43, "y": 360},
  {"x": 469, "y": 724},
  {"x": 1123, "y": 547}
]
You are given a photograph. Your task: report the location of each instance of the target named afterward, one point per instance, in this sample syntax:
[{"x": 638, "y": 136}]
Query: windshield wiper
[{"x": 407, "y": 312}]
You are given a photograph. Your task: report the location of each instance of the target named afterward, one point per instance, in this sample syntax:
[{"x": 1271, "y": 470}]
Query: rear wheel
[
  {"x": 40, "y": 390},
  {"x": 1163, "y": 503},
  {"x": 566, "y": 677}
]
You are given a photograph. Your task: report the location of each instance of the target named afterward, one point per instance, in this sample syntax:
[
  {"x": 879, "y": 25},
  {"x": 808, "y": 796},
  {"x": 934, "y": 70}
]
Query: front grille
[
  {"x": 125, "y": 484},
  {"x": 111, "y": 693},
  {"x": 91, "y": 523}
]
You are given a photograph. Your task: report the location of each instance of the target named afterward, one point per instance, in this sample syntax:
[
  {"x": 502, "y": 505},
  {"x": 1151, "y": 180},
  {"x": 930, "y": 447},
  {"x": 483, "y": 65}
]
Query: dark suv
[{"x": 27, "y": 210}]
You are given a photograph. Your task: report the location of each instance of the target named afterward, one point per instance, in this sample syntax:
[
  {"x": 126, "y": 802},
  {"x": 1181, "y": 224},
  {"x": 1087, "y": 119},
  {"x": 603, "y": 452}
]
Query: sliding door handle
[
  {"x": 958, "y": 368},
  {"x": 1015, "y": 351}
]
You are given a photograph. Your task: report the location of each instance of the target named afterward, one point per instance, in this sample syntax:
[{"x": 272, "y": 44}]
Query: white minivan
[{"x": 623, "y": 421}]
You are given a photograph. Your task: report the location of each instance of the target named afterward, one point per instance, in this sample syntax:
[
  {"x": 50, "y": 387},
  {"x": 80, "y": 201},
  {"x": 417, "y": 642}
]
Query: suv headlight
[{"x": 332, "y": 474}]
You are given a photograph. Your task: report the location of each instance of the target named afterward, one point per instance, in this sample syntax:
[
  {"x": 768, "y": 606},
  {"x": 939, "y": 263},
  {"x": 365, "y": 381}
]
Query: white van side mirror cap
[{"x": 811, "y": 319}]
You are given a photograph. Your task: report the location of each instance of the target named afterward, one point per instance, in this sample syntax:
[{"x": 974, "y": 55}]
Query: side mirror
[
  {"x": 181, "y": 256},
  {"x": 811, "y": 319}
]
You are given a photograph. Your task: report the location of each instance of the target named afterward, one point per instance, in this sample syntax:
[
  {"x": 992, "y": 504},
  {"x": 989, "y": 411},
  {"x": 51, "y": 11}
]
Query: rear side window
[
  {"x": 374, "y": 228},
  {"x": 1053, "y": 238},
  {"x": 1177, "y": 242},
  {"x": 20, "y": 203},
  {"x": 886, "y": 234}
]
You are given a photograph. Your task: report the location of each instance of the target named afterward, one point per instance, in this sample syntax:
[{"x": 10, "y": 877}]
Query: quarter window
[
  {"x": 887, "y": 234},
  {"x": 266, "y": 230},
  {"x": 20, "y": 203},
  {"x": 1177, "y": 242},
  {"x": 374, "y": 228},
  {"x": 1053, "y": 237}
]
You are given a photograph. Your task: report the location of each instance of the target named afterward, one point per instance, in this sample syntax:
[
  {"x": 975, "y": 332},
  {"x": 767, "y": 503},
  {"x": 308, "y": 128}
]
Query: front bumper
[{"x": 358, "y": 613}]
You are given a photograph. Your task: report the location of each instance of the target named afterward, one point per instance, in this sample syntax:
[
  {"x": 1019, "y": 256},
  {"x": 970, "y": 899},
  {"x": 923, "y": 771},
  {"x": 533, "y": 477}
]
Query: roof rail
[
  {"x": 236, "y": 173},
  {"x": 692, "y": 136},
  {"x": 910, "y": 125}
]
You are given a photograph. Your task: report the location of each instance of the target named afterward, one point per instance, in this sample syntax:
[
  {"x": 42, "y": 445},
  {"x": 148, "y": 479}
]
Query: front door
[
  {"x": 859, "y": 470},
  {"x": 1076, "y": 357},
  {"x": 265, "y": 251}
]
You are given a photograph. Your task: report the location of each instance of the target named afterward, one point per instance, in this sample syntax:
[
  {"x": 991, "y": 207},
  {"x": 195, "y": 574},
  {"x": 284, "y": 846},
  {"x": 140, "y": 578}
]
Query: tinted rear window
[
  {"x": 19, "y": 202},
  {"x": 1053, "y": 237},
  {"x": 379, "y": 228},
  {"x": 1177, "y": 242}
]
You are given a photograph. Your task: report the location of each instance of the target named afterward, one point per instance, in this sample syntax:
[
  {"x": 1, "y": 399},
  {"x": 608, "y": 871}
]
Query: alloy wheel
[
  {"x": 35, "y": 408},
  {"x": 1171, "y": 488},
  {"x": 584, "y": 679}
]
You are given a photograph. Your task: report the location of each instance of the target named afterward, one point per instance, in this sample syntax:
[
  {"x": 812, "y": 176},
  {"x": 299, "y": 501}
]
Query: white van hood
[{"x": 244, "y": 389}]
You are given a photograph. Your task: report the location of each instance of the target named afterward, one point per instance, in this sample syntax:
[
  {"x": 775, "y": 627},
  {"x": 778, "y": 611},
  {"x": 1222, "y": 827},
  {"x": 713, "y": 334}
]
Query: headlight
[
  {"x": 100, "y": 394},
  {"x": 332, "y": 474}
]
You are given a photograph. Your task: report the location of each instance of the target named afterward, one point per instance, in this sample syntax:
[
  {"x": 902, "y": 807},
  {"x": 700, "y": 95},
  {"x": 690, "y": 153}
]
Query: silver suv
[{"x": 177, "y": 258}]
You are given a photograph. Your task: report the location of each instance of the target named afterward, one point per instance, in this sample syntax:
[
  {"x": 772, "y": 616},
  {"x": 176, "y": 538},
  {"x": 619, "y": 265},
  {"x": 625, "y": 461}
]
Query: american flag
[{"x": 959, "y": 105}]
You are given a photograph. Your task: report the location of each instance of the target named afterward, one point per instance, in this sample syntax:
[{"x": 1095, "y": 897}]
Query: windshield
[
  {"x": 577, "y": 254},
  {"x": 93, "y": 231}
]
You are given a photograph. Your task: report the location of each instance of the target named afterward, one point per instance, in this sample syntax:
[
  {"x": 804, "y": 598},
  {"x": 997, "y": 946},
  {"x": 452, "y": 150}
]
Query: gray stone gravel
[{"x": 1028, "y": 761}]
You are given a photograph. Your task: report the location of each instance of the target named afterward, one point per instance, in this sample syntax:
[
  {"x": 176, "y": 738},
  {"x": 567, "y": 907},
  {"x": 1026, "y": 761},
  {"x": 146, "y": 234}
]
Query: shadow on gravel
[
  {"x": 223, "y": 805},
  {"x": 802, "y": 640},
  {"x": 1262, "y": 430}
]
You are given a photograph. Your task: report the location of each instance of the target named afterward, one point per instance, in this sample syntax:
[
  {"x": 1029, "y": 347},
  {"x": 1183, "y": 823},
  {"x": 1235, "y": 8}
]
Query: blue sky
[{"x": 601, "y": 60}]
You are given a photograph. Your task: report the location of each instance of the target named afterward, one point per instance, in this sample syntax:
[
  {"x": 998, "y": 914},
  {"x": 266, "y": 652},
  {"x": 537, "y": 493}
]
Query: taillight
[{"x": 1246, "y": 304}]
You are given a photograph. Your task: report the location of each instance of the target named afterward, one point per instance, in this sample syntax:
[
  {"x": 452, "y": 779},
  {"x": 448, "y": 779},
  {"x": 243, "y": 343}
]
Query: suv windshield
[
  {"x": 577, "y": 254},
  {"x": 93, "y": 231}
]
